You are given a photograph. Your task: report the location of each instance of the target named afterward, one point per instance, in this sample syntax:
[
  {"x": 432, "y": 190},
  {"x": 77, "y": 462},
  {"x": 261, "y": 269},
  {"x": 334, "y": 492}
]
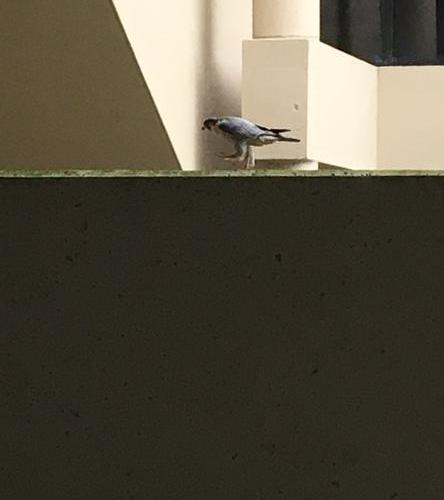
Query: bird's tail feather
[
  {"x": 288, "y": 139},
  {"x": 279, "y": 130}
]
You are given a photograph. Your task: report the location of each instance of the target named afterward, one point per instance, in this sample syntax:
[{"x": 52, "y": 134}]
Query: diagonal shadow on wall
[{"x": 72, "y": 93}]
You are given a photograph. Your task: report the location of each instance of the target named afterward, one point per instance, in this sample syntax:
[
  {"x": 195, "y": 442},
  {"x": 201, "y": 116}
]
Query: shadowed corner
[
  {"x": 202, "y": 137},
  {"x": 143, "y": 82},
  {"x": 217, "y": 87}
]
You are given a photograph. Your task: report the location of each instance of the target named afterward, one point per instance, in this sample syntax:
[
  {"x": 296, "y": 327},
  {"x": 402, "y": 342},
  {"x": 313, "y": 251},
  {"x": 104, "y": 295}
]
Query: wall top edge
[
  {"x": 281, "y": 40},
  {"x": 82, "y": 174},
  {"x": 314, "y": 40},
  {"x": 310, "y": 42}
]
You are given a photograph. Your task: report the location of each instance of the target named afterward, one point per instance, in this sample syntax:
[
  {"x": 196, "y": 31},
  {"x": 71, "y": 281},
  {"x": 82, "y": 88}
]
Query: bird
[{"x": 245, "y": 134}]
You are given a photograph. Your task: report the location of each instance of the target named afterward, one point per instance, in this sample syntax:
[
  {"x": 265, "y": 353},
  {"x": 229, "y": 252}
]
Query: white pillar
[{"x": 287, "y": 18}]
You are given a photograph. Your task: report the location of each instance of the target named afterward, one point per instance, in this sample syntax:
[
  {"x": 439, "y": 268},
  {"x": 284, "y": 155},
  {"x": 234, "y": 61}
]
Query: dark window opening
[
  {"x": 386, "y": 32},
  {"x": 440, "y": 28}
]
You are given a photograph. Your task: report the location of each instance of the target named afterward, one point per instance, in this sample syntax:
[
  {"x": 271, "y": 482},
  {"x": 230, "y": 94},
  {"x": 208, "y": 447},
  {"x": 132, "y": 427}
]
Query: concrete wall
[
  {"x": 190, "y": 53},
  {"x": 218, "y": 339},
  {"x": 342, "y": 109},
  {"x": 411, "y": 117},
  {"x": 71, "y": 93}
]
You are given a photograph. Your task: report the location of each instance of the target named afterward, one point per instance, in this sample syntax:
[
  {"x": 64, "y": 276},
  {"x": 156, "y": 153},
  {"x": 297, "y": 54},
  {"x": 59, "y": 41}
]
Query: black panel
[
  {"x": 440, "y": 28},
  {"x": 365, "y": 35},
  {"x": 385, "y": 31},
  {"x": 387, "y": 12},
  {"x": 415, "y": 31},
  {"x": 330, "y": 24},
  {"x": 353, "y": 26}
]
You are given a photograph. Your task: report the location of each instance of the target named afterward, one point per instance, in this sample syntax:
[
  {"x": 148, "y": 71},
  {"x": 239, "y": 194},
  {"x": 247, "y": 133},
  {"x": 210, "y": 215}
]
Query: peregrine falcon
[{"x": 245, "y": 134}]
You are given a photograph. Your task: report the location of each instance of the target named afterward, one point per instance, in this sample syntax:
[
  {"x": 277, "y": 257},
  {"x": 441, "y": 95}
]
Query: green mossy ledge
[{"x": 54, "y": 173}]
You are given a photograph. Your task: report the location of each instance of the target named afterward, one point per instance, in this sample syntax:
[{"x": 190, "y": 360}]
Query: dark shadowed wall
[
  {"x": 222, "y": 338},
  {"x": 384, "y": 32},
  {"x": 71, "y": 92},
  {"x": 440, "y": 28},
  {"x": 353, "y": 26},
  {"x": 415, "y": 28}
]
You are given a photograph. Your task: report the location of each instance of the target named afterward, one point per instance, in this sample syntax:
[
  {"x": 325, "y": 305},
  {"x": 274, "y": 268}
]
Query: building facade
[
  {"x": 127, "y": 83},
  {"x": 364, "y": 90}
]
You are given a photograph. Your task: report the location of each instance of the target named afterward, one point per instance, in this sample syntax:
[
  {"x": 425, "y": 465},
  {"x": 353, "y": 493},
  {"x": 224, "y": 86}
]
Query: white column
[{"x": 287, "y": 18}]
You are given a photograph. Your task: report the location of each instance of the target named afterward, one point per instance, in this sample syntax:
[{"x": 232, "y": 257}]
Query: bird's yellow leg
[
  {"x": 250, "y": 160},
  {"x": 224, "y": 156}
]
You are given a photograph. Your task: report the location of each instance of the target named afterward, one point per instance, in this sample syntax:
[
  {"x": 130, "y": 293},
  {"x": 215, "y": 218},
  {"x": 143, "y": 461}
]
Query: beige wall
[
  {"x": 71, "y": 93},
  {"x": 286, "y": 18},
  {"x": 411, "y": 118},
  {"x": 190, "y": 54},
  {"x": 275, "y": 92},
  {"x": 343, "y": 109}
]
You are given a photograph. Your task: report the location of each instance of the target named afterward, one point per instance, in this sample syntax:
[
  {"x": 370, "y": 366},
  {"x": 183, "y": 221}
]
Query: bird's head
[{"x": 209, "y": 124}]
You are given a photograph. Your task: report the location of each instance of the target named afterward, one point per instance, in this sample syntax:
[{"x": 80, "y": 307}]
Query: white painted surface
[
  {"x": 328, "y": 98},
  {"x": 286, "y": 18},
  {"x": 343, "y": 109}
]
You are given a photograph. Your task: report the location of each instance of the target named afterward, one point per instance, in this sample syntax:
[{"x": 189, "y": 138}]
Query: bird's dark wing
[
  {"x": 274, "y": 130},
  {"x": 226, "y": 127}
]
